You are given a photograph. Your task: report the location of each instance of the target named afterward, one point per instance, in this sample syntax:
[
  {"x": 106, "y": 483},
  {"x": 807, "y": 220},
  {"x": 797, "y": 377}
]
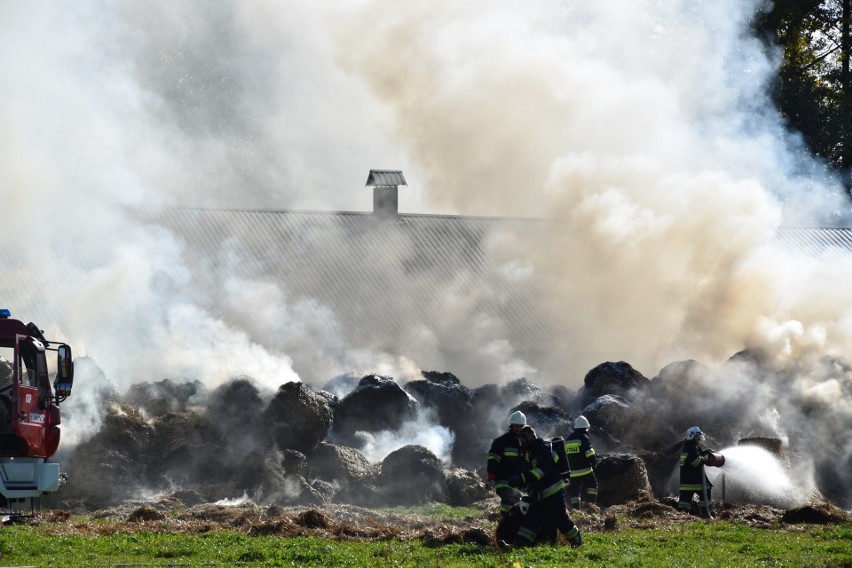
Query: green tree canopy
[{"x": 813, "y": 89}]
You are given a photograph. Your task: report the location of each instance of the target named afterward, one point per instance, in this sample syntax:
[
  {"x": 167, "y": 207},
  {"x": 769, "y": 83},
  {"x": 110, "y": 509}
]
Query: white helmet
[
  {"x": 581, "y": 422},
  {"x": 518, "y": 417},
  {"x": 694, "y": 433}
]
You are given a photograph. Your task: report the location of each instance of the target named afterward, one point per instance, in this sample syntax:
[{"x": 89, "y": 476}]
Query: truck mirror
[{"x": 64, "y": 371}]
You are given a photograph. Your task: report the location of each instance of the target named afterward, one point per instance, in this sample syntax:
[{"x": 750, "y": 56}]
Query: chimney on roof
[{"x": 385, "y": 185}]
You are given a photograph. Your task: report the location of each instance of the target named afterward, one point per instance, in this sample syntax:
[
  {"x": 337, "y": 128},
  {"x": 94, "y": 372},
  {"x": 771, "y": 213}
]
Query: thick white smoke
[{"x": 643, "y": 127}]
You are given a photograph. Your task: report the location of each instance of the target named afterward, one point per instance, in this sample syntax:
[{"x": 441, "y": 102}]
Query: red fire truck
[{"x": 29, "y": 413}]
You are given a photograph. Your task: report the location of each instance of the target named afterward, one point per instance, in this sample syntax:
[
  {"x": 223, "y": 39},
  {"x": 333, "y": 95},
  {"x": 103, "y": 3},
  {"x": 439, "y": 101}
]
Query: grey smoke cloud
[{"x": 643, "y": 127}]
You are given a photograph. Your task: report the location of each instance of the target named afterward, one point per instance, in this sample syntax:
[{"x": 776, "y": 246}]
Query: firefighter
[
  {"x": 693, "y": 480},
  {"x": 545, "y": 491},
  {"x": 582, "y": 461},
  {"x": 506, "y": 460}
]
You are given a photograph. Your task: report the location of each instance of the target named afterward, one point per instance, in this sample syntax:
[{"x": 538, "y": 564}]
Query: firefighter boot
[{"x": 575, "y": 539}]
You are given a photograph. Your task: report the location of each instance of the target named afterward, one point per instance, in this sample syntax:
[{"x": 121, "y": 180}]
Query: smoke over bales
[
  {"x": 215, "y": 451},
  {"x": 655, "y": 143}
]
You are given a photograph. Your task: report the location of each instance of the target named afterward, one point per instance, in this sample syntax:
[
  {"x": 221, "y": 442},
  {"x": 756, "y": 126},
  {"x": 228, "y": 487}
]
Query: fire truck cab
[{"x": 29, "y": 412}]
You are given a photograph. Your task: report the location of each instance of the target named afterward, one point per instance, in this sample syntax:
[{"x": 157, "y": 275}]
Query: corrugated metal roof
[
  {"x": 814, "y": 240},
  {"x": 385, "y": 178},
  {"x": 382, "y": 279}
]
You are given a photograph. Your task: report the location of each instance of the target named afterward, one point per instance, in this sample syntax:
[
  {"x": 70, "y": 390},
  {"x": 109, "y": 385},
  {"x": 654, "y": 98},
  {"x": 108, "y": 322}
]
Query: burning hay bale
[
  {"x": 519, "y": 390},
  {"x": 453, "y": 405},
  {"x": 612, "y": 418},
  {"x": 143, "y": 514},
  {"x": 295, "y": 462},
  {"x": 297, "y": 418},
  {"x": 622, "y": 478},
  {"x": 226, "y": 409},
  {"x": 261, "y": 476},
  {"x": 347, "y": 470},
  {"x": 662, "y": 468},
  {"x": 106, "y": 469},
  {"x": 619, "y": 379},
  {"x": 465, "y": 488},
  {"x": 377, "y": 403},
  {"x": 179, "y": 447},
  {"x": 818, "y": 514},
  {"x": 163, "y": 397},
  {"x": 124, "y": 429},
  {"x": 413, "y": 475},
  {"x": 548, "y": 421}
]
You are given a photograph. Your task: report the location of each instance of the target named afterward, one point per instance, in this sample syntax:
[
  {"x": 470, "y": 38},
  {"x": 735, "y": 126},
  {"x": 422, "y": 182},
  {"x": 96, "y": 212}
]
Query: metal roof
[
  {"x": 814, "y": 240},
  {"x": 385, "y": 178},
  {"x": 383, "y": 279}
]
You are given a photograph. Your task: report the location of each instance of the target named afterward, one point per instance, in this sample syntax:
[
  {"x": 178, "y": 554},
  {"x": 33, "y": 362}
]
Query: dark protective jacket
[
  {"x": 541, "y": 478},
  {"x": 581, "y": 454},
  {"x": 692, "y": 459},
  {"x": 505, "y": 458}
]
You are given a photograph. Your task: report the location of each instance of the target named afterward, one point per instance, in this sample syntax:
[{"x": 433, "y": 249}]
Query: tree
[{"x": 813, "y": 90}]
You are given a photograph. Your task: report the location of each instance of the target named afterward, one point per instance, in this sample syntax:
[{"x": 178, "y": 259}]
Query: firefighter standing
[
  {"x": 582, "y": 461},
  {"x": 693, "y": 480},
  {"x": 506, "y": 460},
  {"x": 545, "y": 491}
]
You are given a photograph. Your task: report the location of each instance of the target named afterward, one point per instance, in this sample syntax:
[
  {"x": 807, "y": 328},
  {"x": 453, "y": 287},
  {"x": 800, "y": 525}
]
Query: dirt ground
[{"x": 344, "y": 522}]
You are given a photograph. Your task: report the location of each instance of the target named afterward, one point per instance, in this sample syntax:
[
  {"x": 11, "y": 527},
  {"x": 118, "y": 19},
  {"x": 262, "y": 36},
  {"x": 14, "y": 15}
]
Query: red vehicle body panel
[{"x": 29, "y": 421}]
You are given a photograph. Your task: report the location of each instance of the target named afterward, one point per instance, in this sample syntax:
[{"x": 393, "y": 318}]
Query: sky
[{"x": 643, "y": 127}]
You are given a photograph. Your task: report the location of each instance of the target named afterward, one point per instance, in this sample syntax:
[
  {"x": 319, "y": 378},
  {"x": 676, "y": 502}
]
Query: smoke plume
[{"x": 643, "y": 129}]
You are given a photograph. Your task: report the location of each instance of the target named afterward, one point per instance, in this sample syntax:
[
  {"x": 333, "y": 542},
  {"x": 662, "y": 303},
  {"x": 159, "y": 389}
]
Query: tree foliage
[{"x": 813, "y": 90}]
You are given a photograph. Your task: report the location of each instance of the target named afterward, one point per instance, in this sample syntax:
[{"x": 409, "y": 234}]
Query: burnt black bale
[
  {"x": 611, "y": 419},
  {"x": 226, "y": 413},
  {"x": 453, "y": 406},
  {"x": 488, "y": 420},
  {"x": 619, "y": 379},
  {"x": 345, "y": 468},
  {"x": 109, "y": 467},
  {"x": 183, "y": 451},
  {"x": 295, "y": 462},
  {"x": 563, "y": 397},
  {"x": 264, "y": 479},
  {"x": 341, "y": 385},
  {"x": 517, "y": 391},
  {"x": 413, "y": 475},
  {"x": 548, "y": 421},
  {"x": 297, "y": 418},
  {"x": 663, "y": 469},
  {"x": 378, "y": 403}
]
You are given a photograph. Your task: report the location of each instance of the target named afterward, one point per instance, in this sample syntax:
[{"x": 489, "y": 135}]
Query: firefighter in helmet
[
  {"x": 543, "y": 481},
  {"x": 582, "y": 461},
  {"x": 505, "y": 460},
  {"x": 693, "y": 480}
]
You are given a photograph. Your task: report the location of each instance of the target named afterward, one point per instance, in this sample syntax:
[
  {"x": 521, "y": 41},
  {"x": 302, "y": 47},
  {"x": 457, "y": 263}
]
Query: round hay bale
[
  {"x": 464, "y": 488},
  {"x": 413, "y": 475},
  {"x": 622, "y": 478},
  {"x": 297, "y": 418}
]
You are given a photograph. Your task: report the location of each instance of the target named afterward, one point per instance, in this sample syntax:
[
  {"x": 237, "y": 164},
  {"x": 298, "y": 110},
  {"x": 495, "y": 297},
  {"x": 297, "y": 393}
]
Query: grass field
[{"x": 694, "y": 543}]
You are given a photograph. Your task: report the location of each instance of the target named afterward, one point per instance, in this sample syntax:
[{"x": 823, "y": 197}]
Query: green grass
[{"x": 692, "y": 544}]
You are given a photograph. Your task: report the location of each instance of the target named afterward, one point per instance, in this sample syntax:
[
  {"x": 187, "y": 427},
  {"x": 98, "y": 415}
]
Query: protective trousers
[
  {"x": 509, "y": 496},
  {"x": 583, "y": 488},
  {"x": 550, "y": 510}
]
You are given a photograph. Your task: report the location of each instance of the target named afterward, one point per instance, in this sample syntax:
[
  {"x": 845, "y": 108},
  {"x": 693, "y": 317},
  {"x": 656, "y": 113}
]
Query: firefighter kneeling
[{"x": 544, "y": 486}]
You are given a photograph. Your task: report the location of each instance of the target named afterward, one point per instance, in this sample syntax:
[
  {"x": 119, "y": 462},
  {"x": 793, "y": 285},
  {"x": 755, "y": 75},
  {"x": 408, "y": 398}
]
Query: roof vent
[{"x": 385, "y": 185}]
